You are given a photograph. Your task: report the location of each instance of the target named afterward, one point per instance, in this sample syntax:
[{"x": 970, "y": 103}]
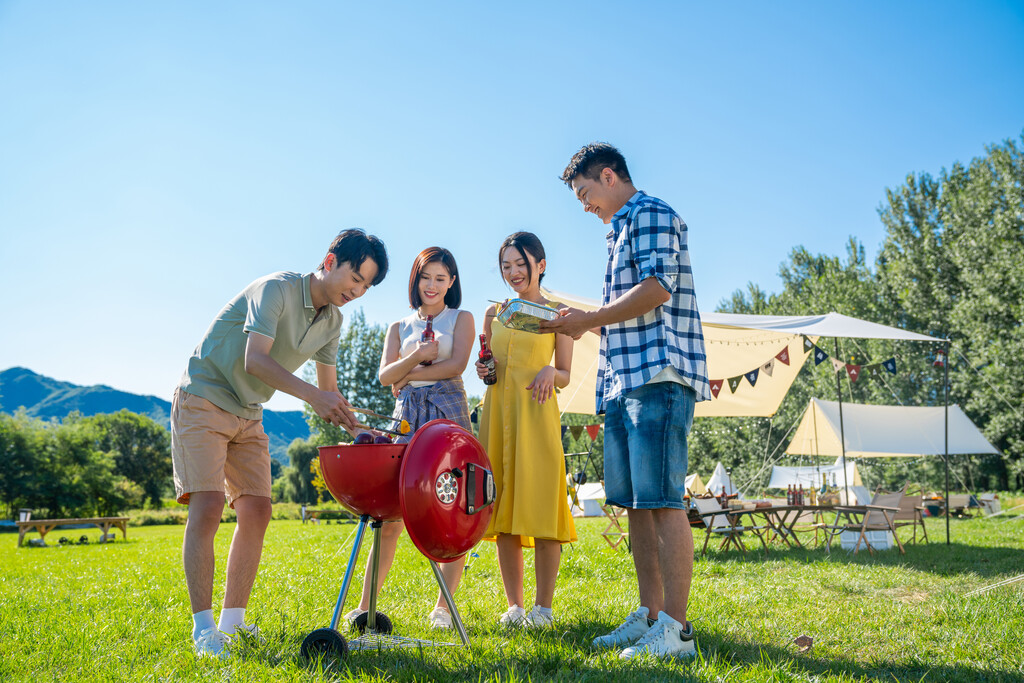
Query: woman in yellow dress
[{"x": 520, "y": 428}]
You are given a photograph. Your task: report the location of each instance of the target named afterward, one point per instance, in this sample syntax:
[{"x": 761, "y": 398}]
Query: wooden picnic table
[
  {"x": 781, "y": 520},
  {"x": 44, "y": 526}
]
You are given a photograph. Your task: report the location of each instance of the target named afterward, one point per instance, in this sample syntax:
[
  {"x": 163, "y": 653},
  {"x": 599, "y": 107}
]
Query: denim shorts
[{"x": 645, "y": 446}]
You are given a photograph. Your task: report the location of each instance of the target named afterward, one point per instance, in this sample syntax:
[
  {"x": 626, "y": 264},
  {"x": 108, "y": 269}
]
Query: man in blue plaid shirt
[{"x": 651, "y": 372}]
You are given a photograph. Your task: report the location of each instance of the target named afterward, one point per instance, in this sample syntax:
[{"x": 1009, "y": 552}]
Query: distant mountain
[{"x": 45, "y": 397}]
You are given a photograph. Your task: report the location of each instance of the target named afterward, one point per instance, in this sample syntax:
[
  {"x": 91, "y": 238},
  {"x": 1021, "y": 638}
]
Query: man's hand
[
  {"x": 332, "y": 407},
  {"x": 571, "y": 322}
]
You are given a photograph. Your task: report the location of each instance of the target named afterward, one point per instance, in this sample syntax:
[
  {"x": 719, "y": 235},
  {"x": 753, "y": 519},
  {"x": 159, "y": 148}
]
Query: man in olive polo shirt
[{"x": 262, "y": 336}]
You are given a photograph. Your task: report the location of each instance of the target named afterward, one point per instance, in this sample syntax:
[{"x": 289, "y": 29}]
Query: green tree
[
  {"x": 19, "y": 466},
  {"x": 359, "y": 352},
  {"x": 141, "y": 449},
  {"x": 953, "y": 261},
  {"x": 298, "y": 478}
]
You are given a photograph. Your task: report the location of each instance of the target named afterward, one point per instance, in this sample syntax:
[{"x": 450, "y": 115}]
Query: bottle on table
[
  {"x": 428, "y": 335},
  {"x": 789, "y": 495},
  {"x": 800, "y": 495},
  {"x": 487, "y": 358}
]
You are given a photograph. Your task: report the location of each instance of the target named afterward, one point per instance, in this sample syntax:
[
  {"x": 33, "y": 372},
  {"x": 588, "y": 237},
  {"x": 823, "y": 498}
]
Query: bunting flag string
[
  {"x": 853, "y": 370},
  {"x": 577, "y": 430}
]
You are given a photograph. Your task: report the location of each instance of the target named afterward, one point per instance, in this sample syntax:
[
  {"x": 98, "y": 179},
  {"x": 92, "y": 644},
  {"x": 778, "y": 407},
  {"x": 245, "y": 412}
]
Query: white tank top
[{"x": 410, "y": 330}]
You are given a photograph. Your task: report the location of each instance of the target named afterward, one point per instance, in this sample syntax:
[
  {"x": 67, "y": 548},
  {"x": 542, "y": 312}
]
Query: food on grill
[
  {"x": 364, "y": 437},
  {"x": 382, "y": 438}
]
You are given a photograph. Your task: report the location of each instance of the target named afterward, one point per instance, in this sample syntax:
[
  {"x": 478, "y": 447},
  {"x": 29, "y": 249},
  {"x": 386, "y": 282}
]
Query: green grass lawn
[{"x": 119, "y": 612}]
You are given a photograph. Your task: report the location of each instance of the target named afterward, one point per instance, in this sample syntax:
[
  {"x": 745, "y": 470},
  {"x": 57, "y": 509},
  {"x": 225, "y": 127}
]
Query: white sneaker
[
  {"x": 628, "y": 632},
  {"x": 514, "y": 616},
  {"x": 351, "y": 617},
  {"x": 666, "y": 639},
  {"x": 538, "y": 619},
  {"x": 440, "y": 618},
  {"x": 212, "y": 643}
]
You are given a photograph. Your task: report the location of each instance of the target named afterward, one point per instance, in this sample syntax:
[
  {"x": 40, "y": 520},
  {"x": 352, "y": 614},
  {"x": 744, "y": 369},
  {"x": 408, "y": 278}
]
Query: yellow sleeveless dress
[{"x": 523, "y": 440}]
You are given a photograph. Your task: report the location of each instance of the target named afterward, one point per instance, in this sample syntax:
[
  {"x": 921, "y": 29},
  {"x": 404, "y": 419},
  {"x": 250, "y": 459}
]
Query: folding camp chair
[
  {"x": 878, "y": 516},
  {"x": 911, "y": 514},
  {"x": 727, "y": 524}
]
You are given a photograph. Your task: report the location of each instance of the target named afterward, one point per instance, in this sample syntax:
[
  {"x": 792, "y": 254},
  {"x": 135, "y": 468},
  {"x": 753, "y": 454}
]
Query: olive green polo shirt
[{"x": 279, "y": 306}]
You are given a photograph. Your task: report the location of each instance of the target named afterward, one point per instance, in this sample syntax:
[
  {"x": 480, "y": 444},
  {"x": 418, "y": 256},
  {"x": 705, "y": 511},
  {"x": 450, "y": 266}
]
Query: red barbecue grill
[{"x": 439, "y": 484}]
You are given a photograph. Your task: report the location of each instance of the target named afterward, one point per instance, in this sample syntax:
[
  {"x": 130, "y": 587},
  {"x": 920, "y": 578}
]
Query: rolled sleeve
[{"x": 655, "y": 245}]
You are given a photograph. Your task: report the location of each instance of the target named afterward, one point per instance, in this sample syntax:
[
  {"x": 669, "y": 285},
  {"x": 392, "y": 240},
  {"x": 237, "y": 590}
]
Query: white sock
[
  {"x": 546, "y": 611},
  {"x": 202, "y": 621},
  {"x": 230, "y": 618}
]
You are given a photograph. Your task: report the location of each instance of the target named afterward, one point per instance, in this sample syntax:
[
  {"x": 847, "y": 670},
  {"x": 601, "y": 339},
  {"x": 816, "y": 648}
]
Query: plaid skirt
[{"x": 444, "y": 399}]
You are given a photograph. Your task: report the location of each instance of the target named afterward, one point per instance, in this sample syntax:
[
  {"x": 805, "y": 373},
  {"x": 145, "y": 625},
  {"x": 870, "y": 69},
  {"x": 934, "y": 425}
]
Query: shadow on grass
[{"x": 566, "y": 655}]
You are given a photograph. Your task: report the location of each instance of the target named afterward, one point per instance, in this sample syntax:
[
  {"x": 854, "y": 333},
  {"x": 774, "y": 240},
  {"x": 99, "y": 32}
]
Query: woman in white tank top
[{"x": 426, "y": 392}]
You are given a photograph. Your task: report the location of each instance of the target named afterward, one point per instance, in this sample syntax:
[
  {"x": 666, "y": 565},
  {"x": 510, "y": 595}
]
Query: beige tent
[
  {"x": 885, "y": 431},
  {"x": 731, "y": 352}
]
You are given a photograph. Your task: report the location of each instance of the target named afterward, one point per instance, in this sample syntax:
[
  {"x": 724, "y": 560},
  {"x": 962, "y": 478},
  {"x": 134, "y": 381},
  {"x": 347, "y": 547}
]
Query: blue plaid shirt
[{"x": 648, "y": 239}]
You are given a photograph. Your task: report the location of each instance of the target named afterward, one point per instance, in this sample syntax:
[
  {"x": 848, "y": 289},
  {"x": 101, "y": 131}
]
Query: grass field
[{"x": 118, "y": 612}]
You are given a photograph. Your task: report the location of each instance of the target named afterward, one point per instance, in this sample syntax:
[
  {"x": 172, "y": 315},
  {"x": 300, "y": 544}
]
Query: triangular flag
[
  {"x": 853, "y": 371},
  {"x": 592, "y": 431},
  {"x": 819, "y": 355},
  {"x": 576, "y": 431},
  {"x": 752, "y": 376},
  {"x": 890, "y": 365},
  {"x": 564, "y": 429},
  {"x": 768, "y": 367},
  {"x": 874, "y": 371},
  {"x": 808, "y": 344},
  {"x": 734, "y": 383},
  {"x": 837, "y": 364},
  {"x": 783, "y": 355},
  {"x": 716, "y": 386},
  {"x": 472, "y": 417}
]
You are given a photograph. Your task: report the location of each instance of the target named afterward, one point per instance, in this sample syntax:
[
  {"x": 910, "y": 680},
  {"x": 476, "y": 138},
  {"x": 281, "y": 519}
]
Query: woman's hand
[
  {"x": 481, "y": 370},
  {"x": 543, "y": 385},
  {"x": 426, "y": 351},
  {"x": 397, "y": 387}
]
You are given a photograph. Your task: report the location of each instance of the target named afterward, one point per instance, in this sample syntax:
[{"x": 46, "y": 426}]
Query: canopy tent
[
  {"x": 885, "y": 431},
  {"x": 720, "y": 480},
  {"x": 809, "y": 476}
]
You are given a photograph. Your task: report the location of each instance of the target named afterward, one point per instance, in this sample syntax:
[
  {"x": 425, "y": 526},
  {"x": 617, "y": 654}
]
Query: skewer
[
  {"x": 403, "y": 426},
  {"x": 379, "y": 429}
]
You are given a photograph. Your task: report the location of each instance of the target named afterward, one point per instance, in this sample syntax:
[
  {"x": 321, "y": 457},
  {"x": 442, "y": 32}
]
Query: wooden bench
[
  {"x": 313, "y": 514},
  {"x": 44, "y": 526}
]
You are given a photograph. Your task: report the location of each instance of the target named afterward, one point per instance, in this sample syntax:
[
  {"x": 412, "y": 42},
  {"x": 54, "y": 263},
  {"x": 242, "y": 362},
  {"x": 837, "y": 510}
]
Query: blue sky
[{"x": 157, "y": 157}]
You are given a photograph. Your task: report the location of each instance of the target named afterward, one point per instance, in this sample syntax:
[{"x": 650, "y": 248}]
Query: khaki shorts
[{"x": 214, "y": 450}]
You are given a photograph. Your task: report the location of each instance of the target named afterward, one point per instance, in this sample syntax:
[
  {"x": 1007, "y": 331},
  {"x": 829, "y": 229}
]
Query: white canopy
[
  {"x": 591, "y": 497},
  {"x": 735, "y": 346},
  {"x": 885, "y": 431},
  {"x": 809, "y": 476},
  {"x": 719, "y": 479}
]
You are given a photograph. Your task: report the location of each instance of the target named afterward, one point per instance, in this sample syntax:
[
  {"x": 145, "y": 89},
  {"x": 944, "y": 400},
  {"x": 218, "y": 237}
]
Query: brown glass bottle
[
  {"x": 428, "y": 335},
  {"x": 487, "y": 358}
]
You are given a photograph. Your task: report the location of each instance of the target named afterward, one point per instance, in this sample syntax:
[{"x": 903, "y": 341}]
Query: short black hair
[
  {"x": 453, "y": 298},
  {"x": 354, "y": 246},
  {"x": 592, "y": 159},
  {"x": 525, "y": 243}
]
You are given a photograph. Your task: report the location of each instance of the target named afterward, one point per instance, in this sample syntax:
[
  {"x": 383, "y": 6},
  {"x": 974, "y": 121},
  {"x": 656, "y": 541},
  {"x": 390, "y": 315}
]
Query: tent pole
[
  {"x": 842, "y": 434},
  {"x": 945, "y": 391}
]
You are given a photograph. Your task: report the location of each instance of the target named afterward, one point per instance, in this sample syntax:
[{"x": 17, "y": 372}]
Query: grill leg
[
  {"x": 371, "y": 618},
  {"x": 349, "y": 570},
  {"x": 450, "y": 602}
]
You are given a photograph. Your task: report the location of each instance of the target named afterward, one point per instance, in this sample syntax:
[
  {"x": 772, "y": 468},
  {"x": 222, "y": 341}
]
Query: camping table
[
  {"x": 731, "y": 535},
  {"x": 782, "y": 518}
]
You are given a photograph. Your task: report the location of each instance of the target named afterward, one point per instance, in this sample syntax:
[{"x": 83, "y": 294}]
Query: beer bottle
[
  {"x": 487, "y": 358},
  {"x": 800, "y": 495},
  {"x": 428, "y": 335}
]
